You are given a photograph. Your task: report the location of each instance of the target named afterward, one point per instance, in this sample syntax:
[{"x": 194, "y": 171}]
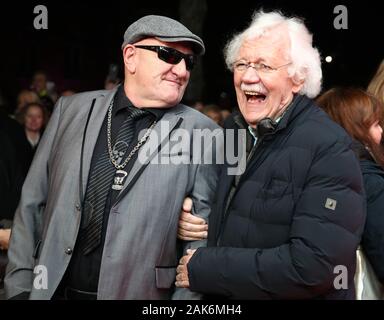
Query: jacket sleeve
[
  {"x": 320, "y": 239},
  {"x": 373, "y": 236},
  {"x": 204, "y": 182},
  {"x": 26, "y": 230}
]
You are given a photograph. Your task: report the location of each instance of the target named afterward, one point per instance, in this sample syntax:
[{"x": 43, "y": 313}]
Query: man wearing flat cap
[{"x": 96, "y": 221}]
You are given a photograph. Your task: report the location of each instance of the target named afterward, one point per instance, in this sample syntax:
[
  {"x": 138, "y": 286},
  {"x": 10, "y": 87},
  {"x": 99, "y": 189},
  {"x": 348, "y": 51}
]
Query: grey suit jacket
[{"x": 139, "y": 256}]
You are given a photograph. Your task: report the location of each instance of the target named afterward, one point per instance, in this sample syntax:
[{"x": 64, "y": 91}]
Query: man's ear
[
  {"x": 297, "y": 86},
  {"x": 298, "y": 79},
  {"x": 129, "y": 58}
]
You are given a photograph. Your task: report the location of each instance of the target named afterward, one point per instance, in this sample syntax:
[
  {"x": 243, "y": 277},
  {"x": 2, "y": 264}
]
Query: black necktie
[{"x": 100, "y": 182}]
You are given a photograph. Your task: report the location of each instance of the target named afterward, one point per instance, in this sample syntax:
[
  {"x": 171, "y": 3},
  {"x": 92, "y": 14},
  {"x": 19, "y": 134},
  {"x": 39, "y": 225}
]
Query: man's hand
[
  {"x": 4, "y": 238},
  {"x": 182, "y": 280},
  {"x": 191, "y": 227}
]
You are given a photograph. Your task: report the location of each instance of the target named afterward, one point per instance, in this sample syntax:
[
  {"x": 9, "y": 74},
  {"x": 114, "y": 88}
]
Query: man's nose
[
  {"x": 180, "y": 68},
  {"x": 251, "y": 75}
]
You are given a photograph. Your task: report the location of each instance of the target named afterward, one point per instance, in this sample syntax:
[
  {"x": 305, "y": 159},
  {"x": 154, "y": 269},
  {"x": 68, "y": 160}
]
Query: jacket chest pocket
[
  {"x": 36, "y": 251},
  {"x": 276, "y": 188},
  {"x": 274, "y": 203}
]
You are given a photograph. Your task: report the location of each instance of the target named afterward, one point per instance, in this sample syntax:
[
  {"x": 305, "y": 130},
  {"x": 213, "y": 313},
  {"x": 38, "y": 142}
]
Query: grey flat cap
[{"x": 164, "y": 29}]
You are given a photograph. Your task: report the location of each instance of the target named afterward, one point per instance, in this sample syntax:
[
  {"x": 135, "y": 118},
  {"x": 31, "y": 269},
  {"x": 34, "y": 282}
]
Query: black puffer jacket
[{"x": 297, "y": 213}]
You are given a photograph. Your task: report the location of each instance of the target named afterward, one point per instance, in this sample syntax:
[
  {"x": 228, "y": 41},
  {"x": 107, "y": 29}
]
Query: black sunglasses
[{"x": 172, "y": 56}]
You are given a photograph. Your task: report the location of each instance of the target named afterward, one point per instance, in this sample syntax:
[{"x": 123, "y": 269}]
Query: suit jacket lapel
[{"x": 95, "y": 122}]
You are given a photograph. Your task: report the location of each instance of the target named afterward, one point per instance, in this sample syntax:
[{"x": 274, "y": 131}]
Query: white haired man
[{"x": 286, "y": 227}]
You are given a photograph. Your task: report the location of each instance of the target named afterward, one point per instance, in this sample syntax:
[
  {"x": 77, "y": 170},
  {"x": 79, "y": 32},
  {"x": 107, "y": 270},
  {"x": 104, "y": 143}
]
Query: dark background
[{"x": 84, "y": 37}]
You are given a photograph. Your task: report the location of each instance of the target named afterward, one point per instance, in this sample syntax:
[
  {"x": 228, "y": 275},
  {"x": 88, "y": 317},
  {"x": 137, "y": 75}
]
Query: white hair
[{"x": 306, "y": 63}]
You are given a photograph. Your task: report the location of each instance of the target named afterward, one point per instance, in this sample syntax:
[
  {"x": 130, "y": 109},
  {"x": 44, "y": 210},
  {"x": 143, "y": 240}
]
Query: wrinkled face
[
  {"x": 264, "y": 93},
  {"x": 376, "y": 132},
  {"x": 152, "y": 82},
  {"x": 34, "y": 118}
]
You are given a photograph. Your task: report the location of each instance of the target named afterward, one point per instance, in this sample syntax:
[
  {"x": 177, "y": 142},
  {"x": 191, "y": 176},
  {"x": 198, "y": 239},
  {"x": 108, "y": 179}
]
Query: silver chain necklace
[{"x": 120, "y": 174}]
